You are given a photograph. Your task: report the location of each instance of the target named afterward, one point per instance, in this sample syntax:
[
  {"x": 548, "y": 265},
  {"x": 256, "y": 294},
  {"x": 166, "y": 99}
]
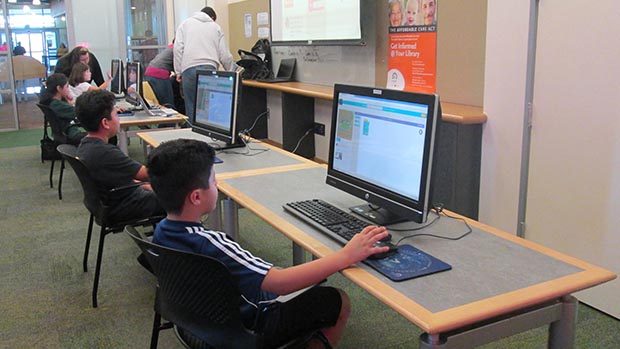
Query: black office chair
[
  {"x": 198, "y": 296},
  {"x": 59, "y": 138},
  {"x": 99, "y": 211}
]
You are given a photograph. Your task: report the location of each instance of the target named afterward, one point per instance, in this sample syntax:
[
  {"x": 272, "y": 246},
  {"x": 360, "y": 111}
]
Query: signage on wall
[{"x": 412, "y": 51}]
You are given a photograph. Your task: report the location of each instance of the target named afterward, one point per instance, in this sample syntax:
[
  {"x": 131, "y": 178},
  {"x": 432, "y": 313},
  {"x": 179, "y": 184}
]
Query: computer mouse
[
  {"x": 392, "y": 251},
  {"x": 388, "y": 238}
]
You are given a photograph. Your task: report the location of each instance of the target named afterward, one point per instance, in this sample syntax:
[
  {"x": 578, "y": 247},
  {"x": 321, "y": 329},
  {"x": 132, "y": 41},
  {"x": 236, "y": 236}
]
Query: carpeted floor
[{"x": 45, "y": 299}]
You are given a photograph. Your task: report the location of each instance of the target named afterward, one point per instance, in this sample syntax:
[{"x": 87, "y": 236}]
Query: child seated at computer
[
  {"x": 56, "y": 95},
  {"x": 182, "y": 175},
  {"x": 79, "y": 80}
]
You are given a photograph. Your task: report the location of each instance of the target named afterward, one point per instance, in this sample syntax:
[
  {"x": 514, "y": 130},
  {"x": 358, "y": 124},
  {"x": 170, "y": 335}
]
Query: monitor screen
[
  {"x": 309, "y": 22},
  {"x": 216, "y": 105},
  {"x": 117, "y": 72},
  {"x": 381, "y": 150},
  {"x": 134, "y": 82}
]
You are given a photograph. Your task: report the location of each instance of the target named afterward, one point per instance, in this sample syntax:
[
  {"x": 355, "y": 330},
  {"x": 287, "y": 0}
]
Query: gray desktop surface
[
  {"x": 483, "y": 265},
  {"x": 249, "y": 157}
]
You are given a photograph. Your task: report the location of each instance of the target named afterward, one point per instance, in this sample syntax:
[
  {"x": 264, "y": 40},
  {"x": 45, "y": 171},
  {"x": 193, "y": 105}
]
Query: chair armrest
[{"x": 125, "y": 187}]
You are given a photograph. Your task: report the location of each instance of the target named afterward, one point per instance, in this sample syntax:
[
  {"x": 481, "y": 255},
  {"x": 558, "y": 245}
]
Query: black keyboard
[{"x": 327, "y": 218}]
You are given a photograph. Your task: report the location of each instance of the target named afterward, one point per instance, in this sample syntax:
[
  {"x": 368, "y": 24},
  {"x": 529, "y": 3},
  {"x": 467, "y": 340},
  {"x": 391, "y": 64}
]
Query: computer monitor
[
  {"x": 217, "y": 94},
  {"x": 117, "y": 85},
  {"x": 381, "y": 150},
  {"x": 134, "y": 82}
]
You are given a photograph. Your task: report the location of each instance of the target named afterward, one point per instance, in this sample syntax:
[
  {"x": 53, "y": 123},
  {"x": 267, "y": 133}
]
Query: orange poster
[{"x": 412, "y": 51}]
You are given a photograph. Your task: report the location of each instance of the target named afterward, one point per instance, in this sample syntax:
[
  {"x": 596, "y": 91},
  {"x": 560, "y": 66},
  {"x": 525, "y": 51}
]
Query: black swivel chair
[
  {"x": 99, "y": 211},
  {"x": 198, "y": 295},
  {"x": 59, "y": 137}
]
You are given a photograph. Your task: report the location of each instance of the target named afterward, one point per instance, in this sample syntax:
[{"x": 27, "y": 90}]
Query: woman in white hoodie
[{"x": 199, "y": 44}]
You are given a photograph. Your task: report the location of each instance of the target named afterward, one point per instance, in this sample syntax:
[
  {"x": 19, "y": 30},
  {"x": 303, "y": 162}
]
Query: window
[{"x": 145, "y": 28}]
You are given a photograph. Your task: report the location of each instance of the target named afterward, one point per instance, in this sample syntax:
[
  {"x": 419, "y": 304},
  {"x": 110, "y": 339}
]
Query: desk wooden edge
[
  {"x": 452, "y": 112},
  {"x": 178, "y": 118},
  {"x": 591, "y": 275}
]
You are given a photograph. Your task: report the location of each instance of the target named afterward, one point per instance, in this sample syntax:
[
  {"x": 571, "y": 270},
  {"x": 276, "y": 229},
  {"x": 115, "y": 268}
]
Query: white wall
[
  {"x": 573, "y": 201},
  {"x": 96, "y": 23},
  {"x": 504, "y": 98}
]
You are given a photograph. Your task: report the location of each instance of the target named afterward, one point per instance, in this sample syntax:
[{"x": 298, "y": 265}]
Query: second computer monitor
[
  {"x": 216, "y": 106},
  {"x": 381, "y": 150},
  {"x": 117, "y": 85},
  {"x": 134, "y": 82}
]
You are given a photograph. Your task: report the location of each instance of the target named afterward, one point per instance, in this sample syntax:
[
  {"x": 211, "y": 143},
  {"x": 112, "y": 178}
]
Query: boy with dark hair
[
  {"x": 182, "y": 176},
  {"x": 107, "y": 164}
]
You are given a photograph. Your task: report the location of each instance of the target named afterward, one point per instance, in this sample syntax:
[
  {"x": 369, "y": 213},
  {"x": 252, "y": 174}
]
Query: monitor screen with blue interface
[
  {"x": 216, "y": 105},
  {"x": 381, "y": 150}
]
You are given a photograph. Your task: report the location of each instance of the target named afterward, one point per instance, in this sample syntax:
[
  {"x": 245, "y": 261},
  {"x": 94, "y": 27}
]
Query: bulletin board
[{"x": 238, "y": 14}]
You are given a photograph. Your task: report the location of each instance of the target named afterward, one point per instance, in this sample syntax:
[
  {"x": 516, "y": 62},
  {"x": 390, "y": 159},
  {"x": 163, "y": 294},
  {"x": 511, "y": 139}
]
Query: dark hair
[
  {"x": 91, "y": 107},
  {"x": 51, "y": 84},
  {"x": 176, "y": 168},
  {"x": 77, "y": 73},
  {"x": 210, "y": 12},
  {"x": 76, "y": 53}
]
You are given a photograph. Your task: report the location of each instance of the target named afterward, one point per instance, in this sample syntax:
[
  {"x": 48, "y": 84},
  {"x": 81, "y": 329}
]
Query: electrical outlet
[{"x": 319, "y": 129}]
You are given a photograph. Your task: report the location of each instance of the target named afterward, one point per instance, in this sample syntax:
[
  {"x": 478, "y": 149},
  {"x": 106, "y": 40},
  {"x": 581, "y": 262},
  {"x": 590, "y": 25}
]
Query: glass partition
[
  {"x": 8, "y": 111},
  {"x": 145, "y": 30}
]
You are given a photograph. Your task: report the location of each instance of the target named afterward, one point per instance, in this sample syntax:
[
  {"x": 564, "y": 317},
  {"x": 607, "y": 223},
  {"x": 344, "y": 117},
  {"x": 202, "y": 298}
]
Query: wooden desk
[
  {"x": 457, "y": 172},
  {"x": 499, "y": 285},
  {"x": 234, "y": 164},
  {"x": 141, "y": 118}
]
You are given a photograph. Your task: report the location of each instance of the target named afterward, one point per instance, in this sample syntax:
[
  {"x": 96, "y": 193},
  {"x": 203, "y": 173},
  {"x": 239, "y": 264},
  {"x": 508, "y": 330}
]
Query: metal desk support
[{"x": 560, "y": 315}]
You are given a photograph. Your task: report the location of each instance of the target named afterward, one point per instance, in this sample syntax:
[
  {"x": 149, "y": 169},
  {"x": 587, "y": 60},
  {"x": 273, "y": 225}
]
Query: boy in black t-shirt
[{"x": 107, "y": 164}]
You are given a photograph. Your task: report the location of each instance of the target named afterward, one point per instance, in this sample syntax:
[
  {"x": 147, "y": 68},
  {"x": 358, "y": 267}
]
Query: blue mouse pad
[{"x": 408, "y": 263}]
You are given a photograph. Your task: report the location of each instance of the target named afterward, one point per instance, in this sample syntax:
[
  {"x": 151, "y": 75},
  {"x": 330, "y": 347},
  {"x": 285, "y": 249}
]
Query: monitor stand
[
  {"x": 230, "y": 146},
  {"x": 377, "y": 215}
]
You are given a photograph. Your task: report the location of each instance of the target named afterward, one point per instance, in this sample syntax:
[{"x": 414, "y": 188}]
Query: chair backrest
[
  {"x": 198, "y": 294},
  {"x": 51, "y": 118},
  {"x": 92, "y": 200},
  {"x": 148, "y": 93}
]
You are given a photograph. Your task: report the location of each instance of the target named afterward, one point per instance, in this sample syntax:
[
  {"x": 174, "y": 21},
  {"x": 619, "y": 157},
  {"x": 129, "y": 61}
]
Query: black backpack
[{"x": 257, "y": 63}]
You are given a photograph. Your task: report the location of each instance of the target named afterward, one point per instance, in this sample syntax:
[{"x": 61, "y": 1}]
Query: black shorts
[{"x": 315, "y": 309}]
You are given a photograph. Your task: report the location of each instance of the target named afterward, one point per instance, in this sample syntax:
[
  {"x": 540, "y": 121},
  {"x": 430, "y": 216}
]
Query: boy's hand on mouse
[{"x": 363, "y": 243}]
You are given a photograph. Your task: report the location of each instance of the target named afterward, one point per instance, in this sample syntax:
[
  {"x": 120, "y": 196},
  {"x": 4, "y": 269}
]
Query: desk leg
[
  {"x": 298, "y": 254},
  {"x": 562, "y": 332},
  {"x": 215, "y": 218},
  {"x": 231, "y": 218},
  {"x": 428, "y": 341},
  {"x": 122, "y": 141}
]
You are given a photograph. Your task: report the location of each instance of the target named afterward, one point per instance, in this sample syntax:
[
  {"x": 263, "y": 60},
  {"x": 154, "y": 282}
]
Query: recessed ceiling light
[{"x": 36, "y": 2}]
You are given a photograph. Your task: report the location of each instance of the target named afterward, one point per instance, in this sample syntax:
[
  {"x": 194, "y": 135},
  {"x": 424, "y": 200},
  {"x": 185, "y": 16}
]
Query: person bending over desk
[
  {"x": 107, "y": 164},
  {"x": 80, "y": 54},
  {"x": 183, "y": 177}
]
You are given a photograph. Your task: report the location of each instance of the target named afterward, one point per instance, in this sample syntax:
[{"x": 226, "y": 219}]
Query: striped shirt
[{"x": 247, "y": 269}]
